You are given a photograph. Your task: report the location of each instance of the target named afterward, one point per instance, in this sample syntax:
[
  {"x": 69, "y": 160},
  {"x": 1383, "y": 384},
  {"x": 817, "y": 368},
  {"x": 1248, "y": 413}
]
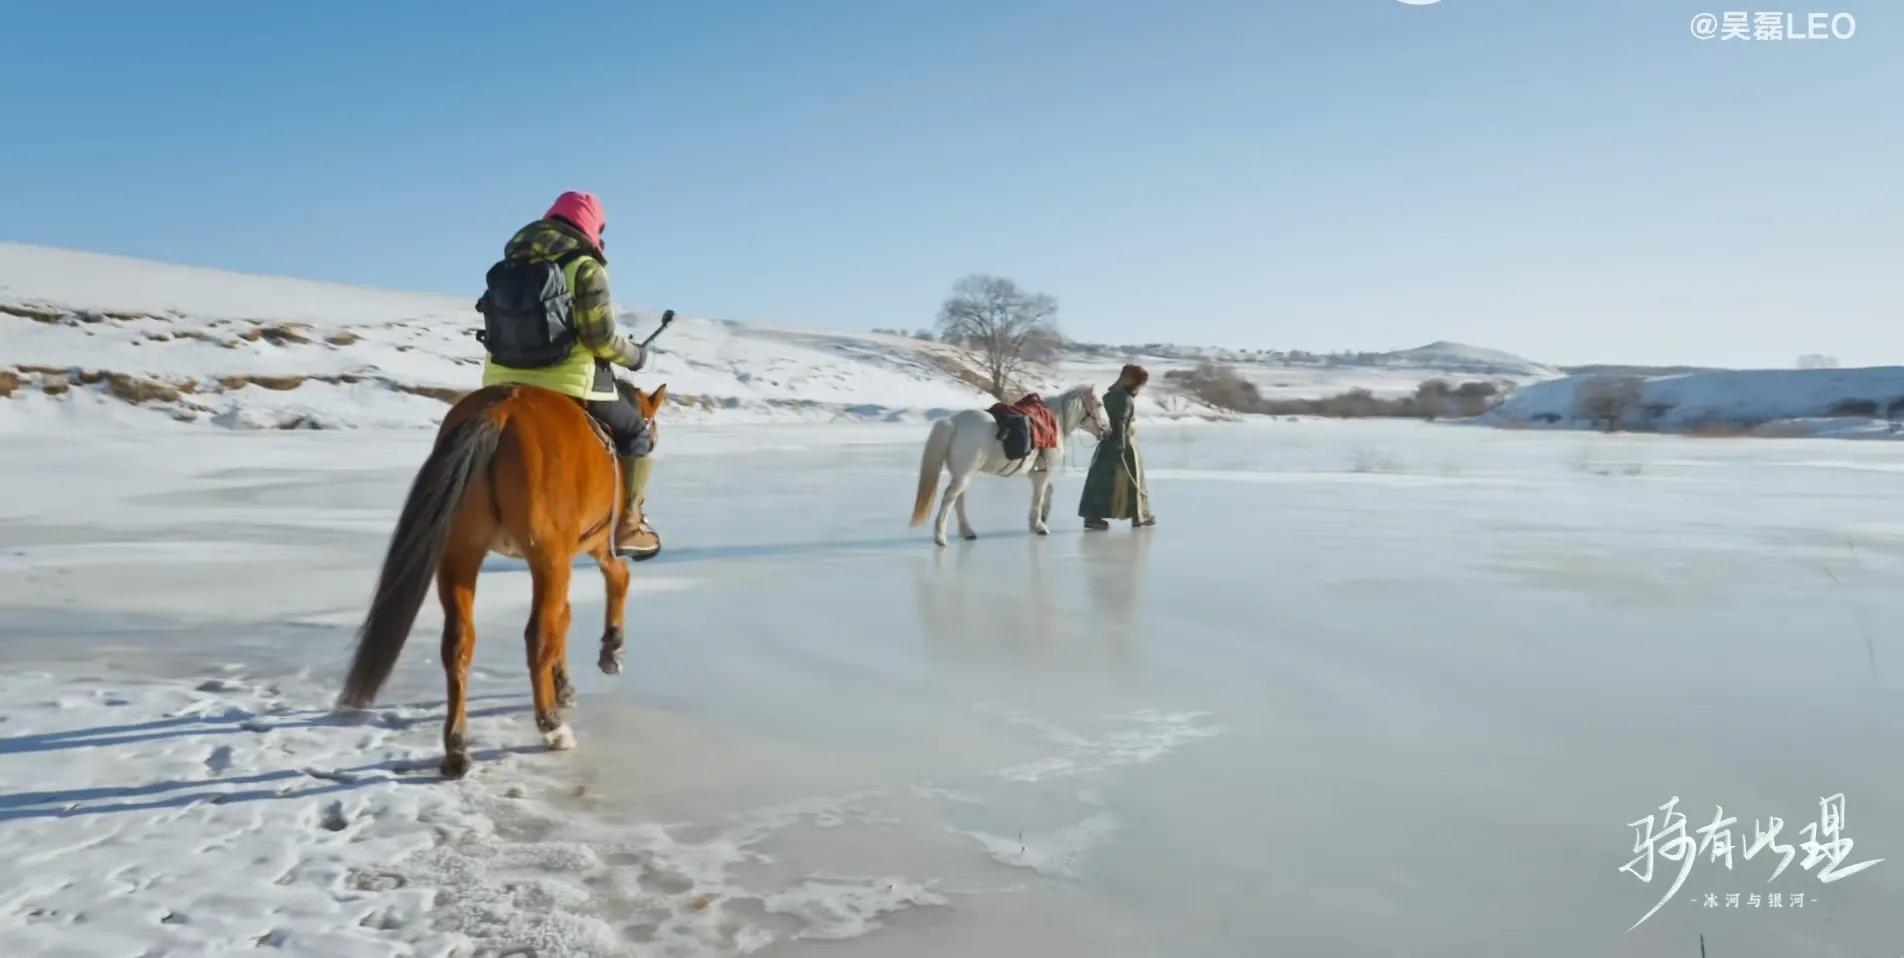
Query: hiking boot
[
  {"x": 634, "y": 537},
  {"x": 1098, "y": 525}
]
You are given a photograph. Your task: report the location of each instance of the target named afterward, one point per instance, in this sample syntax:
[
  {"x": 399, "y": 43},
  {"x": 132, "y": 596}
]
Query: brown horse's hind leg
[
  {"x": 456, "y": 587},
  {"x": 615, "y": 574},
  {"x": 547, "y": 644}
]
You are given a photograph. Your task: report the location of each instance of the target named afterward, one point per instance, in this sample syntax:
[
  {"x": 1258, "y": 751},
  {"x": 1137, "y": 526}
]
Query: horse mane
[{"x": 1070, "y": 406}]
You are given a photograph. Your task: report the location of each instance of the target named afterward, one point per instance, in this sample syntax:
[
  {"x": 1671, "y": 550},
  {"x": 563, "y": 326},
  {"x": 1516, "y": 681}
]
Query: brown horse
[{"x": 520, "y": 471}]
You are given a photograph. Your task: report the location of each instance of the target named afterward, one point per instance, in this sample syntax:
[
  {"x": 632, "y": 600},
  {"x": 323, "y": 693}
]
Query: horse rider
[{"x": 567, "y": 244}]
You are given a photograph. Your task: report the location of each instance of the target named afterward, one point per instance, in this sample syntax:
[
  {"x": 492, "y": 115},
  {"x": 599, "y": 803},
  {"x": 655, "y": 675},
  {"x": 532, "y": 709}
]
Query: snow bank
[
  {"x": 124, "y": 342},
  {"x": 241, "y": 351},
  {"x": 1861, "y": 403},
  {"x": 1461, "y": 357}
]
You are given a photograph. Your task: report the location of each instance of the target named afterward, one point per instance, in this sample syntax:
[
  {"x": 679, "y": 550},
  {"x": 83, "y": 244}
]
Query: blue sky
[{"x": 1572, "y": 180}]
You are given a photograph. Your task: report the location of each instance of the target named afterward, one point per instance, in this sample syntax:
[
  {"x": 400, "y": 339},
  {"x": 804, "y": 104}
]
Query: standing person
[
  {"x": 1115, "y": 487},
  {"x": 521, "y": 308}
]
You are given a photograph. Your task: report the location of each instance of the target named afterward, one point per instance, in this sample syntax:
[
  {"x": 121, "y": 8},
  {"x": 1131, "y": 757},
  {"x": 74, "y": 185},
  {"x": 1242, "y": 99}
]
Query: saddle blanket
[{"x": 1032, "y": 412}]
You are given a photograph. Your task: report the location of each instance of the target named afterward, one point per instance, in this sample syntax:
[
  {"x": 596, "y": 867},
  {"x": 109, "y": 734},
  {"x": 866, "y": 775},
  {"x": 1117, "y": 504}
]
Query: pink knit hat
[{"x": 584, "y": 211}]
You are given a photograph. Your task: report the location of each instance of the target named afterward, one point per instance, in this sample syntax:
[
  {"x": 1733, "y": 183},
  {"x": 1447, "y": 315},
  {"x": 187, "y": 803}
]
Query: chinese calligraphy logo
[{"x": 1664, "y": 837}]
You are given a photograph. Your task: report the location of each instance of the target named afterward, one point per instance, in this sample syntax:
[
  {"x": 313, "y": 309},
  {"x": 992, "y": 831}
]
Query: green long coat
[{"x": 1115, "y": 487}]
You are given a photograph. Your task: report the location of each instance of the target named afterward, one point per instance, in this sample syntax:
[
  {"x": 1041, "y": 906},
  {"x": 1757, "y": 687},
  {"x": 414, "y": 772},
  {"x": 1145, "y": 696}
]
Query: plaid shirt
[{"x": 594, "y": 313}]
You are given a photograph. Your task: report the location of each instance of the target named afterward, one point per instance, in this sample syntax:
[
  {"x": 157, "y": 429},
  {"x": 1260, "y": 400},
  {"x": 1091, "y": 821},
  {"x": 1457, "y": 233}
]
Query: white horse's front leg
[{"x": 1040, "y": 501}]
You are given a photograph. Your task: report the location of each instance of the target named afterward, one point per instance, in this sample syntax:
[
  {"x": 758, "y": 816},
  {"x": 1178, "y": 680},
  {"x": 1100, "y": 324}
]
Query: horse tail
[
  {"x": 429, "y": 513},
  {"x": 930, "y": 465}
]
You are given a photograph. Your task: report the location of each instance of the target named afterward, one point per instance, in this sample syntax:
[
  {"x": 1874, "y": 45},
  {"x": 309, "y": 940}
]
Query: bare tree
[
  {"x": 1002, "y": 325},
  {"x": 1609, "y": 401},
  {"x": 1431, "y": 398},
  {"x": 1817, "y": 361}
]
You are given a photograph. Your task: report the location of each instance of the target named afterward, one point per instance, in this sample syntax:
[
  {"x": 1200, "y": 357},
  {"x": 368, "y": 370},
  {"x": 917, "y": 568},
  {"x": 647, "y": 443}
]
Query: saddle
[{"x": 1025, "y": 425}]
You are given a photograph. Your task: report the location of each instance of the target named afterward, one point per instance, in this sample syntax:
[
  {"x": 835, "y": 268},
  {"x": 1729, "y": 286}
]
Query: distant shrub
[
  {"x": 278, "y": 383},
  {"x": 1719, "y": 429},
  {"x": 445, "y": 394},
  {"x": 1611, "y": 402},
  {"x": 1362, "y": 404},
  {"x": 1220, "y": 386},
  {"x": 278, "y": 334},
  {"x": 9, "y": 381},
  {"x": 138, "y": 389},
  {"x": 1433, "y": 398}
]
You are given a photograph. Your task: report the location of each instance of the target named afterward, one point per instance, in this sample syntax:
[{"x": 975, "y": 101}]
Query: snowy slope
[
  {"x": 82, "y": 333},
  {"x": 1819, "y": 402},
  {"x": 90, "y": 338},
  {"x": 1461, "y": 357}
]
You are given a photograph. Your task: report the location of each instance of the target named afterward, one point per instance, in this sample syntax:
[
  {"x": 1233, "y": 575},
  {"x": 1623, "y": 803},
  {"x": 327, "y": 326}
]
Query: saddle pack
[
  {"x": 1025, "y": 425},
  {"x": 528, "y": 312}
]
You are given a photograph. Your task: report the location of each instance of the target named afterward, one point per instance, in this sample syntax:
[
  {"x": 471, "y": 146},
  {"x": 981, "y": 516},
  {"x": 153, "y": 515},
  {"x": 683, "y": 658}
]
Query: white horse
[{"x": 967, "y": 444}]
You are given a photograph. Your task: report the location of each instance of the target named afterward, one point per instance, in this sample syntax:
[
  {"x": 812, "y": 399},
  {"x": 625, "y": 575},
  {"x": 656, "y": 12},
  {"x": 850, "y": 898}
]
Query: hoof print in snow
[
  {"x": 377, "y": 881},
  {"x": 218, "y": 760},
  {"x": 333, "y": 819},
  {"x": 219, "y": 685}
]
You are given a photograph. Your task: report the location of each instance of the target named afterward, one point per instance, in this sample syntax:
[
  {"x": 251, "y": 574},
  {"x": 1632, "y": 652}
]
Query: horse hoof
[
  {"x": 609, "y": 663},
  {"x": 970, "y": 536},
  {"x": 559, "y": 739},
  {"x": 939, "y": 541},
  {"x": 455, "y": 765}
]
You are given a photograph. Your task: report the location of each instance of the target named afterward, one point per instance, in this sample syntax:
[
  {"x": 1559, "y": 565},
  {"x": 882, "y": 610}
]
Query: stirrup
[{"x": 640, "y": 552}]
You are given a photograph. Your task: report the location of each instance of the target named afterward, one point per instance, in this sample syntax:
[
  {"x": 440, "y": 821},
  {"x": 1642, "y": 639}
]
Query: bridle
[{"x": 1093, "y": 413}]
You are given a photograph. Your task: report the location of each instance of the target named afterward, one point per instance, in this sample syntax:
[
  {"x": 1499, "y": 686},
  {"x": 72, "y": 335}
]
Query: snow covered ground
[{"x": 1370, "y": 688}]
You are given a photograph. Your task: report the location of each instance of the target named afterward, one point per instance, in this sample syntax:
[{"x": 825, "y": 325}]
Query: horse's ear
[{"x": 659, "y": 396}]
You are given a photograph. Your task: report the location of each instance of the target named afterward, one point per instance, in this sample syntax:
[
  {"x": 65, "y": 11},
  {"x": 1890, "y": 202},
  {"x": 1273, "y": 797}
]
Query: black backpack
[{"x": 528, "y": 313}]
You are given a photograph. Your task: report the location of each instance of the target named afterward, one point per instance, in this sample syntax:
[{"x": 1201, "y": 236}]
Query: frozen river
[{"x": 1368, "y": 688}]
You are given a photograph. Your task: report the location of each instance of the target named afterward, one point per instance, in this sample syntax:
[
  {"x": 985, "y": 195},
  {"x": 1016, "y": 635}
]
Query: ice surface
[{"x": 1369, "y": 688}]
